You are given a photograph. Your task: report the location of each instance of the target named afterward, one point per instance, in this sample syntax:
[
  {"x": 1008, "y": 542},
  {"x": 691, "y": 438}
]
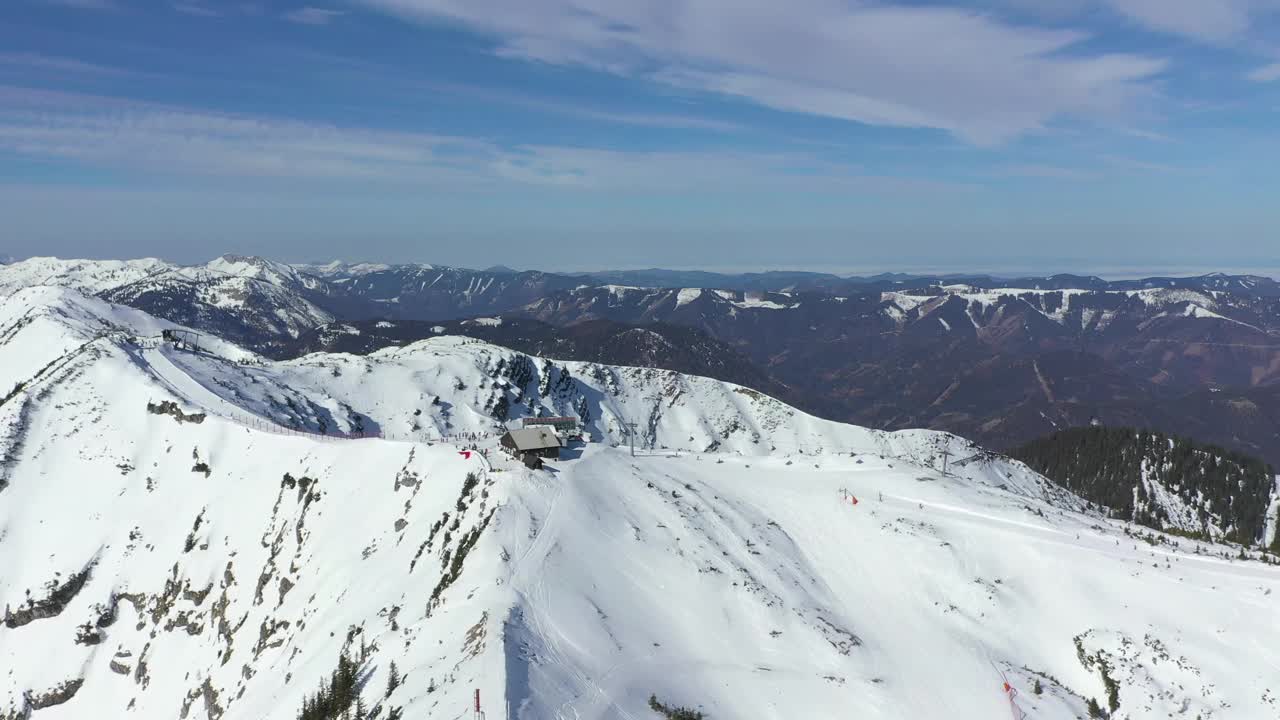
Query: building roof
[{"x": 535, "y": 438}]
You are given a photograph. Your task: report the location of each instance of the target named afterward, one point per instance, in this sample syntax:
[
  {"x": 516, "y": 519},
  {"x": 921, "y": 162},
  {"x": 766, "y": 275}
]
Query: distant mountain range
[
  {"x": 1002, "y": 365},
  {"x": 996, "y": 359}
]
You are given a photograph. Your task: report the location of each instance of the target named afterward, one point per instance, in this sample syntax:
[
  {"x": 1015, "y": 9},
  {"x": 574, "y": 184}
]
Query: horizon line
[{"x": 844, "y": 272}]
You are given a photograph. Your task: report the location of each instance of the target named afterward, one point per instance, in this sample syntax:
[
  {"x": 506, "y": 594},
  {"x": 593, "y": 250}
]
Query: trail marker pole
[{"x": 946, "y": 455}]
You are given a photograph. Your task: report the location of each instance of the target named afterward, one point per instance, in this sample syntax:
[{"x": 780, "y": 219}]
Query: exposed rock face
[
  {"x": 57, "y": 695},
  {"x": 51, "y": 605},
  {"x": 169, "y": 407}
]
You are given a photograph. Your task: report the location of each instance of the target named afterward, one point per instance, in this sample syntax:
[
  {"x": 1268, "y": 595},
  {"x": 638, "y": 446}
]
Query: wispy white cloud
[
  {"x": 1215, "y": 21},
  {"x": 55, "y": 63},
  {"x": 1145, "y": 134},
  {"x": 579, "y": 110},
  {"x": 313, "y": 15},
  {"x": 965, "y": 72},
  {"x": 705, "y": 171},
  {"x": 397, "y": 77},
  {"x": 123, "y": 133},
  {"x": 1265, "y": 74},
  {"x": 1128, "y": 163},
  {"x": 1107, "y": 164},
  {"x": 195, "y": 8},
  {"x": 84, "y": 4},
  {"x": 1045, "y": 171},
  {"x": 152, "y": 138},
  {"x": 1046, "y": 10},
  {"x": 652, "y": 120}
]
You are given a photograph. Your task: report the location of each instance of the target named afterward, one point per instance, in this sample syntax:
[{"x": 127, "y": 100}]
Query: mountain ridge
[{"x": 1194, "y": 356}]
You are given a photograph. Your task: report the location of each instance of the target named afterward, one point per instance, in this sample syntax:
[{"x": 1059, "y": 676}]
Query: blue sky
[{"x": 1005, "y": 135}]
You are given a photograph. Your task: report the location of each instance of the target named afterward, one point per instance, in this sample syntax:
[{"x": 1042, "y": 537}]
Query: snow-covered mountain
[
  {"x": 449, "y": 385},
  {"x": 433, "y": 292},
  {"x": 170, "y": 548},
  {"x": 256, "y": 302},
  {"x": 88, "y": 276},
  {"x": 670, "y": 347},
  {"x": 1001, "y": 361},
  {"x": 1003, "y": 365},
  {"x": 950, "y": 309}
]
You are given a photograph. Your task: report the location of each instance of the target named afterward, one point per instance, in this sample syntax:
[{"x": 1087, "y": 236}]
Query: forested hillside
[{"x": 1158, "y": 480}]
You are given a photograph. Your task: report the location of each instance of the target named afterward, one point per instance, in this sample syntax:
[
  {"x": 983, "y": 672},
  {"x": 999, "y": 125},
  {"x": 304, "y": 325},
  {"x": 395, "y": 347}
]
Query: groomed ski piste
[{"x": 750, "y": 562}]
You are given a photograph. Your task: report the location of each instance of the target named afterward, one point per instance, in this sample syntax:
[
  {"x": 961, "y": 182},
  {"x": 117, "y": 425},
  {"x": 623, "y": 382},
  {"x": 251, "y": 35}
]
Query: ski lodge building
[
  {"x": 532, "y": 444},
  {"x": 566, "y": 427}
]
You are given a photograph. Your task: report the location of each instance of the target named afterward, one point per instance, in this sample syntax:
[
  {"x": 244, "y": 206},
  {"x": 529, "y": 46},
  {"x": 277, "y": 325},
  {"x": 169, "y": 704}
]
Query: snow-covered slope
[
  {"x": 158, "y": 562},
  {"x": 89, "y": 276},
  {"x": 748, "y": 588},
  {"x": 168, "y": 550}
]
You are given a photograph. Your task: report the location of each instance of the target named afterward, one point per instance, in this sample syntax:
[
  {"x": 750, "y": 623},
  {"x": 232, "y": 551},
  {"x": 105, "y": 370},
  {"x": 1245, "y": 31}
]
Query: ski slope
[
  {"x": 757, "y": 592},
  {"x": 157, "y": 566}
]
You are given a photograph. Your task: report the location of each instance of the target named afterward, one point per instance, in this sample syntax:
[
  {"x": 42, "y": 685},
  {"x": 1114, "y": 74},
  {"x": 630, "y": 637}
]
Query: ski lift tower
[
  {"x": 631, "y": 434},
  {"x": 183, "y": 339}
]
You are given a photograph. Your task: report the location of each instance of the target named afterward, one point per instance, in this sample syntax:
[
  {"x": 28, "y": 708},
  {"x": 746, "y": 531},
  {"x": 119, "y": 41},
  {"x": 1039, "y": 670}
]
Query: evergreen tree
[
  {"x": 1111, "y": 466},
  {"x": 393, "y": 678},
  {"x": 335, "y": 696}
]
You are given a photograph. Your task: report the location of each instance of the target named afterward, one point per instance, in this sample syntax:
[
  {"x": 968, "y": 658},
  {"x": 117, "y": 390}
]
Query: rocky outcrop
[
  {"x": 57, "y": 695},
  {"x": 49, "y": 606},
  {"x": 168, "y": 407}
]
